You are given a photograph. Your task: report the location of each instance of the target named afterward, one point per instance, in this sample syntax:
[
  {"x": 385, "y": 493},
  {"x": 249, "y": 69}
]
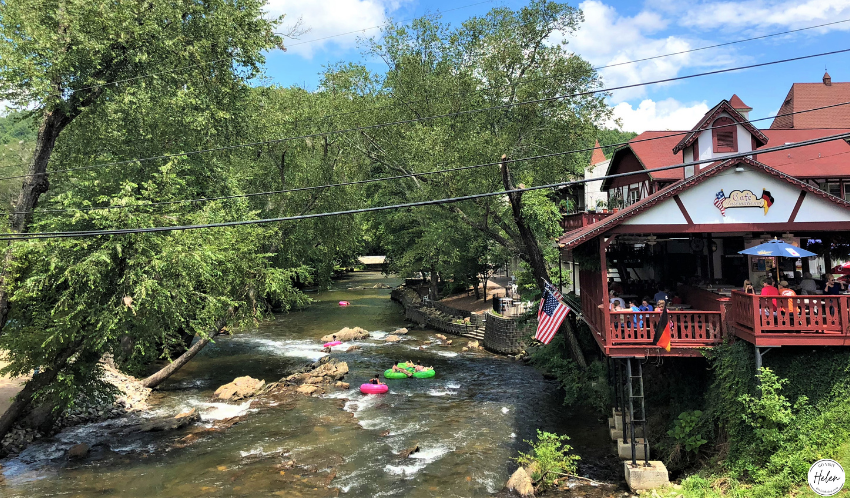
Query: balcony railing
[
  {"x": 791, "y": 320},
  {"x": 687, "y": 328},
  {"x": 579, "y": 220}
]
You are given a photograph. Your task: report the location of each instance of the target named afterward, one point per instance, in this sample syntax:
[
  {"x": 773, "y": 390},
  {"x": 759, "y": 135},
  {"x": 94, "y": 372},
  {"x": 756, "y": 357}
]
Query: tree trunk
[
  {"x": 34, "y": 185},
  {"x": 486, "y": 279},
  {"x": 38, "y": 382},
  {"x": 169, "y": 370},
  {"x": 535, "y": 258},
  {"x": 435, "y": 292},
  {"x": 529, "y": 241}
]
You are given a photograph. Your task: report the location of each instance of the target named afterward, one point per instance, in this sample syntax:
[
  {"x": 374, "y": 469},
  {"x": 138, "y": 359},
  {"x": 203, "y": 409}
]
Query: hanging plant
[{"x": 586, "y": 256}]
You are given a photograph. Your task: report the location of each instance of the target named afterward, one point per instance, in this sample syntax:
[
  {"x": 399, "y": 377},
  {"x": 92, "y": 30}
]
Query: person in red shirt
[{"x": 768, "y": 289}]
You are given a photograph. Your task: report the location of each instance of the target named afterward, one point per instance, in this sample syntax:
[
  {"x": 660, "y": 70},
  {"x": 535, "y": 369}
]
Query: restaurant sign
[{"x": 743, "y": 199}]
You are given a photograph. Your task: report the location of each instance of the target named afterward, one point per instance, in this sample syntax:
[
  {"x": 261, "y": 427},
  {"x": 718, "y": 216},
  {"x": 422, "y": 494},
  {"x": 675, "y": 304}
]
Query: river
[{"x": 469, "y": 421}]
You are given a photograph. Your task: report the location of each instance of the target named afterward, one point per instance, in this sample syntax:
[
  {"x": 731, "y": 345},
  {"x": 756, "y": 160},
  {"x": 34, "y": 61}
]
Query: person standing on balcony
[{"x": 661, "y": 295}]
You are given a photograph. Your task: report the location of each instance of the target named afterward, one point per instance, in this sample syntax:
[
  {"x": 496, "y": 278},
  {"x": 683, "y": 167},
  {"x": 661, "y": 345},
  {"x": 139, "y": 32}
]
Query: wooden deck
[{"x": 800, "y": 320}]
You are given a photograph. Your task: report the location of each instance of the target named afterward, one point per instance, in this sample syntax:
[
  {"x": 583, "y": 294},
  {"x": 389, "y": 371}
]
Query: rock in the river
[
  {"x": 520, "y": 482},
  {"x": 346, "y": 334},
  {"x": 440, "y": 336},
  {"x": 78, "y": 451},
  {"x": 352, "y": 348},
  {"x": 170, "y": 423},
  {"x": 393, "y": 338},
  {"x": 342, "y": 385},
  {"x": 448, "y": 342},
  {"x": 472, "y": 344},
  {"x": 407, "y": 452},
  {"x": 465, "y": 349},
  {"x": 400, "y": 331},
  {"x": 240, "y": 388},
  {"x": 307, "y": 389}
]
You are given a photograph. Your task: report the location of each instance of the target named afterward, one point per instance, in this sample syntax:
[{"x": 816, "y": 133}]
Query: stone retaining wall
[
  {"x": 504, "y": 336},
  {"x": 414, "y": 311}
]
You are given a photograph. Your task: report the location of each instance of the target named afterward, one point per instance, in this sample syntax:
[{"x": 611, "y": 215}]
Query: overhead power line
[
  {"x": 400, "y": 176},
  {"x": 110, "y": 232},
  {"x": 432, "y": 117}
]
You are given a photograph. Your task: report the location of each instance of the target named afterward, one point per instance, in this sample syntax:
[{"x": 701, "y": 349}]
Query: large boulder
[
  {"x": 346, "y": 334},
  {"x": 78, "y": 451},
  {"x": 520, "y": 482},
  {"x": 393, "y": 338},
  {"x": 472, "y": 344},
  {"x": 440, "y": 336},
  {"x": 308, "y": 389},
  {"x": 400, "y": 331},
  {"x": 352, "y": 348},
  {"x": 170, "y": 423},
  {"x": 240, "y": 388}
]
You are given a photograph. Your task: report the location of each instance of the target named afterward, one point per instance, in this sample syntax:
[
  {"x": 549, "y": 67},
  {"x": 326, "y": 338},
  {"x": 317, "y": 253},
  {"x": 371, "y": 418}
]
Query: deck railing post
[
  {"x": 756, "y": 312},
  {"x": 842, "y": 301}
]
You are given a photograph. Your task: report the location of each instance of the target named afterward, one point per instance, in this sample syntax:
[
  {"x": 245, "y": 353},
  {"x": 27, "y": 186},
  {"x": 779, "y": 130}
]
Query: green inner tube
[
  {"x": 391, "y": 374},
  {"x": 425, "y": 374}
]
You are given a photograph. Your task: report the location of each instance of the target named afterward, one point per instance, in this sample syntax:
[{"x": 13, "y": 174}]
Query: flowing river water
[{"x": 468, "y": 421}]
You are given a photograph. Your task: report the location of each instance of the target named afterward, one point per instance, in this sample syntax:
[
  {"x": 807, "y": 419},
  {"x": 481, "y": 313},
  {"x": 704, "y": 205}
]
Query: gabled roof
[
  {"x": 652, "y": 150},
  {"x": 711, "y": 115},
  {"x": 598, "y": 155},
  {"x": 579, "y": 236},
  {"x": 803, "y": 96},
  {"x": 817, "y": 161},
  {"x": 738, "y": 104}
]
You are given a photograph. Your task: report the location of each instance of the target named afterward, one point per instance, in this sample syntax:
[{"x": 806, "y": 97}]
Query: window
[
  {"x": 696, "y": 149},
  {"x": 847, "y": 192},
  {"x": 832, "y": 188},
  {"x": 725, "y": 135},
  {"x": 634, "y": 196}
]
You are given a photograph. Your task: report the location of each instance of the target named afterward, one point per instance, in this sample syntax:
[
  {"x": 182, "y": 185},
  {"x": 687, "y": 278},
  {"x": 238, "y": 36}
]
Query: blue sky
[{"x": 616, "y": 31}]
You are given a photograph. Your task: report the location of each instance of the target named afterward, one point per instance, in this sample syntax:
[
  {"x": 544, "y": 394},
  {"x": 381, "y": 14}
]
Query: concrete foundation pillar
[
  {"x": 641, "y": 477},
  {"x": 618, "y": 434},
  {"x": 625, "y": 449}
]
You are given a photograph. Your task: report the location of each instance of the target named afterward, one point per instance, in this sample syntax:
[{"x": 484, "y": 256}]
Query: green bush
[
  {"x": 549, "y": 459},
  {"x": 683, "y": 431}
]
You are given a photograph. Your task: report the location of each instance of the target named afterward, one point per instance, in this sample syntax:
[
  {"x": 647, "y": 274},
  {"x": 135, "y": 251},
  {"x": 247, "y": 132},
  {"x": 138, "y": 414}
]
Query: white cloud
[
  {"x": 668, "y": 114},
  {"x": 757, "y": 14},
  {"x": 331, "y": 17},
  {"x": 607, "y": 38}
]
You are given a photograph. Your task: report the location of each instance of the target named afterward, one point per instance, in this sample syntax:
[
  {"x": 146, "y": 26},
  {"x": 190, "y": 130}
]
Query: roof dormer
[{"x": 724, "y": 130}]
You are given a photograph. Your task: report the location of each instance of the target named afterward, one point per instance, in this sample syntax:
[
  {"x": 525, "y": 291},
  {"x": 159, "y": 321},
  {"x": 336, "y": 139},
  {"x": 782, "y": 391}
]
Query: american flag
[
  {"x": 555, "y": 292},
  {"x": 549, "y": 317},
  {"x": 718, "y": 202}
]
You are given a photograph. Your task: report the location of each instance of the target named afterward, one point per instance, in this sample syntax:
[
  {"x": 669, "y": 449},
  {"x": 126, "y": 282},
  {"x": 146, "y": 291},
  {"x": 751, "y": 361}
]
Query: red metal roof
[
  {"x": 737, "y": 103},
  {"x": 824, "y": 160},
  {"x": 598, "y": 155},
  {"x": 579, "y": 236},
  {"x": 803, "y": 96},
  {"x": 708, "y": 119}
]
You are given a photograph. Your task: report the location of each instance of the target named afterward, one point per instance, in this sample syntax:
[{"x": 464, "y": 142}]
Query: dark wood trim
[
  {"x": 683, "y": 209},
  {"x": 797, "y": 206}
]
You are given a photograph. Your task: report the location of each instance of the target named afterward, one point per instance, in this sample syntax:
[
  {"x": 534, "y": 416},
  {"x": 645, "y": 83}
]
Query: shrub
[
  {"x": 549, "y": 459},
  {"x": 684, "y": 433}
]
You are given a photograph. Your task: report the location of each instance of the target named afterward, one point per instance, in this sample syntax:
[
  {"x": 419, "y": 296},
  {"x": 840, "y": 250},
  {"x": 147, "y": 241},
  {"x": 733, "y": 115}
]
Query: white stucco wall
[{"x": 593, "y": 190}]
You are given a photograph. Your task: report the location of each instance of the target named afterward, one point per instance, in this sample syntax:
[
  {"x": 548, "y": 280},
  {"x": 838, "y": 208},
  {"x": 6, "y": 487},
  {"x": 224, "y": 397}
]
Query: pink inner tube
[
  {"x": 344, "y": 303},
  {"x": 373, "y": 388},
  {"x": 331, "y": 344}
]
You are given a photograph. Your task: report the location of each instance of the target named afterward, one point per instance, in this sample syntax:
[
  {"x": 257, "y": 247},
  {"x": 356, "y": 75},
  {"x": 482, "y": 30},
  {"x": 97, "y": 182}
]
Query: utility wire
[
  {"x": 109, "y": 232},
  {"x": 433, "y": 117},
  {"x": 401, "y": 176}
]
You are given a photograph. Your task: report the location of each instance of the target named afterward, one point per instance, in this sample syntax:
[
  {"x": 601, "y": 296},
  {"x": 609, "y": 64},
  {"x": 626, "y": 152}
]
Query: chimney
[{"x": 827, "y": 80}]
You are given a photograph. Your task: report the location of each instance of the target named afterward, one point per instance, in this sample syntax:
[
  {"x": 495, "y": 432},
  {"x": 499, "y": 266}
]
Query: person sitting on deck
[
  {"x": 832, "y": 287},
  {"x": 635, "y": 320},
  {"x": 375, "y": 381},
  {"x": 645, "y": 305},
  {"x": 676, "y": 299},
  {"x": 617, "y": 300},
  {"x": 659, "y": 306},
  {"x": 784, "y": 290},
  {"x": 748, "y": 287},
  {"x": 398, "y": 369},
  {"x": 808, "y": 285},
  {"x": 661, "y": 295},
  {"x": 768, "y": 289}
]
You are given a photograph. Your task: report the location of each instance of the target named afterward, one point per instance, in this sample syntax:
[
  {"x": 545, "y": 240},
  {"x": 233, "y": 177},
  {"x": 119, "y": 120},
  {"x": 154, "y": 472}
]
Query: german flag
[
  {"x": 768, "y": 199},
  {"x": 662, "y": 331}
]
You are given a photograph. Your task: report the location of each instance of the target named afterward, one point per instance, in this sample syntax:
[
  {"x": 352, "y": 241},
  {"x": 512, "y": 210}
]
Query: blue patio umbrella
[{"x": 777, "y": 248}]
